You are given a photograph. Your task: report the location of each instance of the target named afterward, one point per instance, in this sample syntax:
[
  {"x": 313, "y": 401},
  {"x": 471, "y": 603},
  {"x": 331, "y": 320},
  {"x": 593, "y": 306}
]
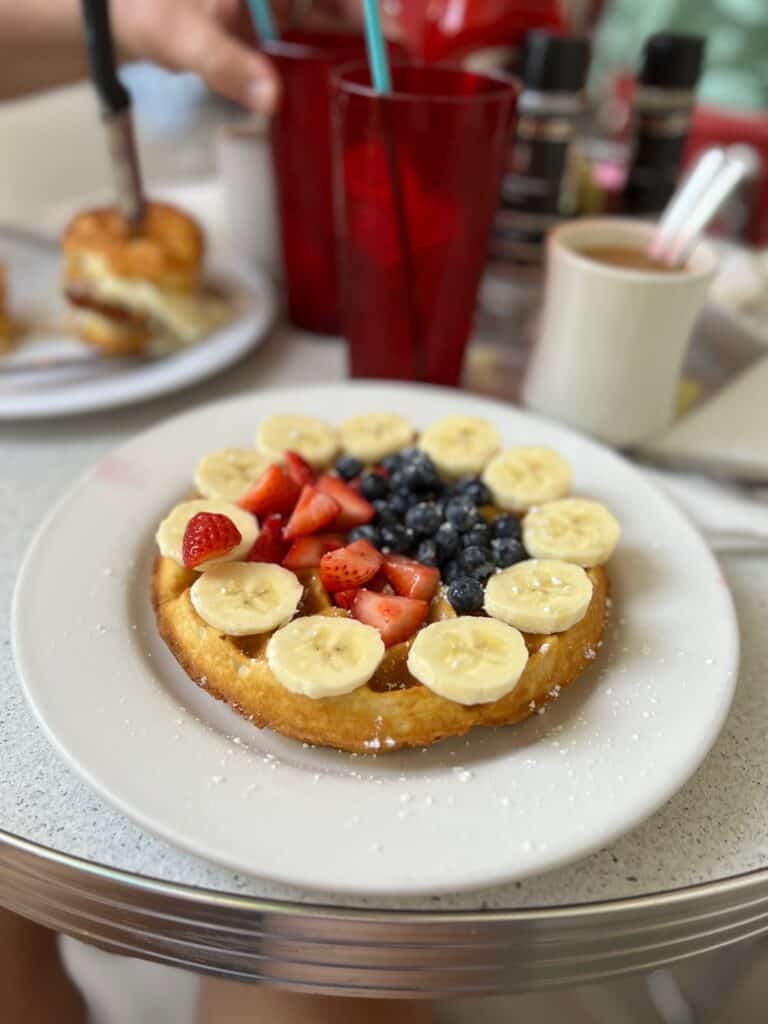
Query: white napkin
[
  {"x": 728, "y": 434},
  {"x": 731, "y": 518}
]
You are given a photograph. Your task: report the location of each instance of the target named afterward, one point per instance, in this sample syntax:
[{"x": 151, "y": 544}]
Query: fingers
[
  {"x": 229, "y": 67},
  {"x": 184, "y": 36}
]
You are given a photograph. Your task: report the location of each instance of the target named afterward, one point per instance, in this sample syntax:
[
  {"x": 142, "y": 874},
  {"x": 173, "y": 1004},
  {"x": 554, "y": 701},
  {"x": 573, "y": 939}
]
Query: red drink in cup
[
  {"x": 301, "y": 154},
  {"x": 417, "y": 176}
]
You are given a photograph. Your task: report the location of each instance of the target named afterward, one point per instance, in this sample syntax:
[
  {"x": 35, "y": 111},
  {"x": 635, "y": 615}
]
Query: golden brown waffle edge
[{"x": 373, "y": 718}]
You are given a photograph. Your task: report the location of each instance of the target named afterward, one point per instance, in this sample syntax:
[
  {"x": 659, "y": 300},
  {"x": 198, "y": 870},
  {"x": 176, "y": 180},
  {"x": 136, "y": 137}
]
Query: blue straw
[
  {"x": 377, "y": 48},
  {"x": 262, "y": 19}
]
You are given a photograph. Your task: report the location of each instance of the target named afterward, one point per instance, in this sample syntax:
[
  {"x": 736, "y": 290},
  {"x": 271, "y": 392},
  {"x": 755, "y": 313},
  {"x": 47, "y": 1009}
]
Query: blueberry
[
  {"x": 423, "y": 519},
  {"x": 485, "y": 571},
  {"x": 386, "y": 515},
  {"x": 447, "y": 541},
  {"x": 397, "y": 538},
  {"x": 479, "y": 536},
  {"x": 472, "y": 556},
  {"x": 407, "y": 540},
  {"x": 399, "y": 505},
  {"x": 421, "y": 475},
  {"x": 474, "y": 490},
  {"x": 466, "y": 595},
  {"x": 348, "y": 467},
  {"x": 507, "y": 551},
  {"x": 476, "y": 562},
  {"x": 391, "y": 462},
  {"x": 399, "y": 482},
  {"x": 462, "y": 514},
  {"x": 388, "y": 538},
  {"x": 434, "y": 494},
  {"x": 373, "y": 485},
  {"x": 453, "y": 571},
  {"x": 507, "y": 526},
  {"x": 367, "y": 532},
  {"x": 426, "y": 553},
  {"x": 413, "y": 455}
]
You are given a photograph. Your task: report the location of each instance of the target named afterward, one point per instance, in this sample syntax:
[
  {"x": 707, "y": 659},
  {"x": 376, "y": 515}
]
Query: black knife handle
[{"x": 101, "y": 54}]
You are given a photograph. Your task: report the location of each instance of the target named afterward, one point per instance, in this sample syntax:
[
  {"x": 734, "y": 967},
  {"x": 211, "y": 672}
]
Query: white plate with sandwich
[{"x": 100, "y": 320}]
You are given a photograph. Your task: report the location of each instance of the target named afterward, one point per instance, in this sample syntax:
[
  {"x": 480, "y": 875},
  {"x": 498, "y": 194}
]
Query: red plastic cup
[
  {"x": 413, "y": 243},
  {"x": 301, "y": 155}
]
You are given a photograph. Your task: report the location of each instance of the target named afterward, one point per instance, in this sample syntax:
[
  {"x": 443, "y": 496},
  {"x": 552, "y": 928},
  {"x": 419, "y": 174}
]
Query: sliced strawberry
[
  {"x": 345, "y": 598},
  {"x": 313, "y": 511},
  {"x": 350, "y": 567},
  {"x": 208, "y": 535},
  {"x": 380, "y": 584},
  {"x": 306, "y": 552},
  {"x": 364, "y": 547},
  {"x": 411, "y": 578},
  {"x": 396, "y": 618},
  {"x": 355, "y": 510},
  {"x": 269, "y": 546},
  {"x": 299, "y": 470},
  {"x": 274, "y": 491}
]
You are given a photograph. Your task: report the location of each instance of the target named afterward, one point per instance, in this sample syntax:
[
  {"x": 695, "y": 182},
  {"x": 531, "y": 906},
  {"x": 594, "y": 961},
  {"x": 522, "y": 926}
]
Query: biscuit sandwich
[{"x": 127, "y": 289}]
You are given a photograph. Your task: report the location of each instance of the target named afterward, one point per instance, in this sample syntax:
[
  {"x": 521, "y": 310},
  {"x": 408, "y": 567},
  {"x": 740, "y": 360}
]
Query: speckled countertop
[{"x": 715, "y": 827}]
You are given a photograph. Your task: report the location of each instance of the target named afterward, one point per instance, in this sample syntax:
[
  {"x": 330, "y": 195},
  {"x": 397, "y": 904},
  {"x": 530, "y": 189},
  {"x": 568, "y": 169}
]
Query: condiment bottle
[
  {"x": 539, "y": 186},
  {"x": 664, "y": 102}
]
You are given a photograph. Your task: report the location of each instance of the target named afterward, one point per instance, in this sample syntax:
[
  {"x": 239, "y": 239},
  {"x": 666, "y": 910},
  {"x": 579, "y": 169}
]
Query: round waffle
[{"x": 392, "y": 710}]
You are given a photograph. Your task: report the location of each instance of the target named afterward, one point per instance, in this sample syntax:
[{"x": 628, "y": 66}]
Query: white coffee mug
[{"x": 612, "y": 339}]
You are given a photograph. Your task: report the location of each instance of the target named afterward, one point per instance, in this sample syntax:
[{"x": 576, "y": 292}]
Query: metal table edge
[{"x": 734, "y": 885}]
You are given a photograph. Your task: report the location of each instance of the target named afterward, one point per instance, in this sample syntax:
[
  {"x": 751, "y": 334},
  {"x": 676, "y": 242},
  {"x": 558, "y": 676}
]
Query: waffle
[{"x": 392, "y": 710}]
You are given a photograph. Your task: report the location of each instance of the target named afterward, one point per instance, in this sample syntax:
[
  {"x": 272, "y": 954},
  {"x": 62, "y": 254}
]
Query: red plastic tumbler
[
  {"x": 301, "y": 155},
  {"x": 417, "y": 183}
]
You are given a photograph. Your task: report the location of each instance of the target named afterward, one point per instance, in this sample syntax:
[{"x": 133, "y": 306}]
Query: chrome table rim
[{"x": 395, "y": 953}]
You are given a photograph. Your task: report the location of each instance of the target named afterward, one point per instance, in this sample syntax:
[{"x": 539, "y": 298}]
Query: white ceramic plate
[
  {"x": 465, "y": 813},
  {"x": 34, "y": 272}
]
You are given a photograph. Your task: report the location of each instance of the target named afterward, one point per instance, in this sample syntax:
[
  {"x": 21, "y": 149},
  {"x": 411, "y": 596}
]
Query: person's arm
[{"x": 42, "y": 44}]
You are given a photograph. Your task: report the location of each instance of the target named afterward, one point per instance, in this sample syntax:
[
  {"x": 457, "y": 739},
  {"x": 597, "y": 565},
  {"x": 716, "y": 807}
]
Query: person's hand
[
  {"x": 210, "y": 37},
  {"x": 214, "y": 38}
]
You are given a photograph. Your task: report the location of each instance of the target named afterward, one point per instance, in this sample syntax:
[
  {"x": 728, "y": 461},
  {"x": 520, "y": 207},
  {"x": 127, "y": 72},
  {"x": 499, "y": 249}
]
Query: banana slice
[
  {"x": 243, "y": 598},
  {"x": 521, "y": 477},
  {"x": 170, "y": 533},
  {"x": 470, "y": 660},
  {"x": 539, "y": 596},
  {"x": 227, "y": 474},
  {"x": 375, "y": 435},
  {"x": 314, "y": 440},
  {"x": 573, "y": 529},
  {"x": 324, "y": 656},
  {"x": 460, "y": 445}
]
